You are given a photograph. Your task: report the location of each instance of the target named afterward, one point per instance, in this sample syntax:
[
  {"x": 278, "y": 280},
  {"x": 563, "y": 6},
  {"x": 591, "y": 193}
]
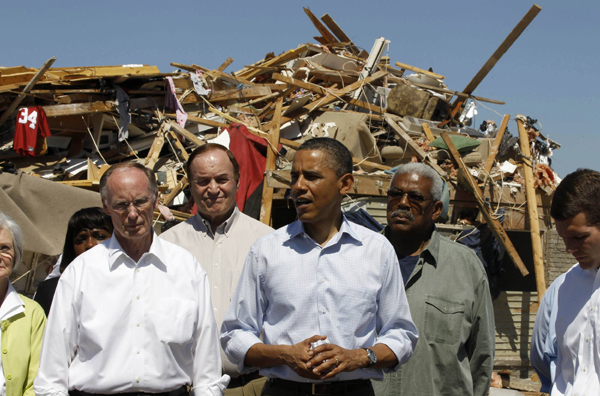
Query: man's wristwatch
[{"x": 371, "y": 355}]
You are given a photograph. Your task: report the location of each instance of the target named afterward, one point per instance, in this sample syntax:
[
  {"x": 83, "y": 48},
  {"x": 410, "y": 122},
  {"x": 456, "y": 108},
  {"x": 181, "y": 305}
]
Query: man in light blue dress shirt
[
  {"x": 543, "y": 338},
  {"x": 320, "y": 279}
]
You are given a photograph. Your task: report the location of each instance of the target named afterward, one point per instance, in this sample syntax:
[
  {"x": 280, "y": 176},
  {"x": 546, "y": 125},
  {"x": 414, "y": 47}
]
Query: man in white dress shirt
[
  {"x": 219, "y": 235},
  {"x": 576, "y": 212},
  {"x": 132, "y": 315}
]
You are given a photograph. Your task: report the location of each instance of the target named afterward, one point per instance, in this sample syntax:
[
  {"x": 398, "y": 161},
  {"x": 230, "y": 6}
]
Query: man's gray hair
[
  {"x": 128, "y": 165},
  {"x": 421, "y": 169},
  {"x": 8, "y": 224}
]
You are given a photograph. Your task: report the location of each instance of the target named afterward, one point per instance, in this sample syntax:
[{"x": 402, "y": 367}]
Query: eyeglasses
[
  {"x": 396, "y": 195},
  {"x": 138, "y": 204}
]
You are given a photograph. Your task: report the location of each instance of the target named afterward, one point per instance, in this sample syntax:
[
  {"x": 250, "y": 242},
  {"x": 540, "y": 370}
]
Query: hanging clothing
[
  {"x": 31, "y": 122},
  {"x": 172, "y": 103},
  {"x": 124, "y": 115},
  {"x": 250, "y": 151}
]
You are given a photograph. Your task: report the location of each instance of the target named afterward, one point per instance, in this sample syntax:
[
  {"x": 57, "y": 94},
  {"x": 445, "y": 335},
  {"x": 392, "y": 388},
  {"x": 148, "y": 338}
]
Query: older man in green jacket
[{"x": 448, "y": 294}]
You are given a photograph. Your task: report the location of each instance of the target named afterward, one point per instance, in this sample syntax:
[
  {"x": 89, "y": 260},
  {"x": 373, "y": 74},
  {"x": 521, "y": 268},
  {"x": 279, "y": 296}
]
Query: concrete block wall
[{"x": 556, "y": 259}]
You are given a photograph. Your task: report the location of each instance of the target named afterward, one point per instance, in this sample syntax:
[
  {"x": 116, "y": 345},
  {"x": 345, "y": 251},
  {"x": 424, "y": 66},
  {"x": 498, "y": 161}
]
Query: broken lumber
[
  {"x": 272, "y": 153},
  {"x": 492, "y": 222},
  {"x": 415, "y": 147},
  {"x": 531, "y": 198},
  {"x": 15, "y": 103},
  {"x": 494, "y": 151}
]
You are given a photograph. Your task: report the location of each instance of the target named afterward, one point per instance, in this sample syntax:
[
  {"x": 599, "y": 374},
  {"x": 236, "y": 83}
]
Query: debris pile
[{"x": 70, "y": 124}]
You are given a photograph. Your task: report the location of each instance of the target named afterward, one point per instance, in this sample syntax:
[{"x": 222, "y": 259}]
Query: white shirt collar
[
  {"x": 116, "y": 253},
  {"x": 12, "y": 305}
]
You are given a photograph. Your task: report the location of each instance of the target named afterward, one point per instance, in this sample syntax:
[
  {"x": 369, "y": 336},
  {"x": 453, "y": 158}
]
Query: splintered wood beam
[
  {"x": 236, "y": 94},
  {"x": 17, "y": 101},
  {"x": 185, "y": 133},
  {"x": 286, "y": 56},
  {"x": 339, "y": 33},
  {"x": 155, "y": 149},
  {"x": 506, "y": 44},
  {"x": 457, "y": 94},
  {"x": 363, "y": 184},
  {"x": 227, "y": 62},
  {"x": 323, "y": 91},
  {"x": 494, "y": 151},
  {"x": 422, "y": 155},
  {"x": 272, "y": 153},
  {"x": 366, "y": 165},
  {"x": 183, "y": 183},
  {"x": 428, "y": 132},
  {"x": 491, "y": 221},
  {"x": 93, "y": 173},
  {"x": 199, "y": 120},
  {"x": 532, "y": 210},
  {"x": 184, "y": 154},
  {"x": 79, "y": 108},
  {"x": 327, "y": 35},
  {"x": 332, "y": 98},
  {"x": 419, "y": 70}
]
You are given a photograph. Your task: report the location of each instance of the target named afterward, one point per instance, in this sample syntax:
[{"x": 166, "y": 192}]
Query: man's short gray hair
[
  {"x": 128, "y": 165},
  {"x": 8, "y": 224},
  {"x": 421, "y": 169}
]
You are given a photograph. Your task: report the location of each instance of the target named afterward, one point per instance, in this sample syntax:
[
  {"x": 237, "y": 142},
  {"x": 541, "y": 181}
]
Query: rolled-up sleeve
[
  {"x": 244, "y": 319},
  {"x": 395, "y": 327},
  {"x": 208, "y": 380}
]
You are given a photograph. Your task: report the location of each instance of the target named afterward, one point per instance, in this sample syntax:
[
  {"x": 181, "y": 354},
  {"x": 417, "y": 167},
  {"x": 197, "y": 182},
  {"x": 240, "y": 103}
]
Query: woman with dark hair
[{"x": 87, "y": 228}]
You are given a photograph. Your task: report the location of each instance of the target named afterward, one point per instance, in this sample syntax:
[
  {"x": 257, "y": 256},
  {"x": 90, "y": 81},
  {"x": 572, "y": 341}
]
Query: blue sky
[{"x": 548, "y": 74}]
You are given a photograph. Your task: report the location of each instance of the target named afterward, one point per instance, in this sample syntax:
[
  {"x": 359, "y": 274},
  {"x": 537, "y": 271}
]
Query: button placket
[{"x": 137, "y": 311}]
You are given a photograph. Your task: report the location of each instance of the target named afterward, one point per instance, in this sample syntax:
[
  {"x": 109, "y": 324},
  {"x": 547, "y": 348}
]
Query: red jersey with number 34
[{"x": 31, "y": 121}]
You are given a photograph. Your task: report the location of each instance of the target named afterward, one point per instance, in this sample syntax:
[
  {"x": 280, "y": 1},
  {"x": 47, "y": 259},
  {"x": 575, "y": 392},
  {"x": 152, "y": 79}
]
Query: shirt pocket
[
  {"x": 443, "y": 319},
  {"x": 175, "y": 320}
]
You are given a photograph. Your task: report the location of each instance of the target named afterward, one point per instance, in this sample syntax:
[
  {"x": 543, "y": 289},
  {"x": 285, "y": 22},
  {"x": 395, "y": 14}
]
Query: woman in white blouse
[{"x": 22, "y": 320}]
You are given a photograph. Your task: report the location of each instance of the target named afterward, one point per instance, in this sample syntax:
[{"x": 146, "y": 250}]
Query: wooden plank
[
  {"x": 415, "y": 147},
  {"x": 17, "y": 101},
  {"x": 184, "y": 154},
  {"x": 534, "y": 223},
  {"x": 154, "y": 152},
  {"x": 458, "y": 94},
  {"x": 495, "y": 147},
  {"x": 236, "y": 94},
  {"x": 363, "y": 184},
  {"x": 419, "y": 70},
  {"x": 200, "y": 120},
  {"x": 183, "y": 183},
  {"x": 327, "y": 35},
  {"x": 286, "y": 56},
  {"x": 272, "y": 153},
  {"x": 185, "y": 133},
  {"x": 492, "y": 222},
  {"x": 93, "y": 173},
  {"x": 427, "y": 131},
  {"x": 323, "y": 91},
  {"x": 227, "y": 62},
  {"x": 104, "y": 71},
  {"x": 339, "y": 33},
  {"x": 332, "y": 98},
  {"x": 79, "y": 108},
  {"x": 501, "y": 50},
  {"x": 366, "y": 165}
]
